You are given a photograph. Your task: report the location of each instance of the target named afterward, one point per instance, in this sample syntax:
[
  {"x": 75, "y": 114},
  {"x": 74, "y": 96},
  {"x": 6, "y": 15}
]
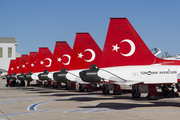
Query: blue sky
[{"x": 39, "y": 23}]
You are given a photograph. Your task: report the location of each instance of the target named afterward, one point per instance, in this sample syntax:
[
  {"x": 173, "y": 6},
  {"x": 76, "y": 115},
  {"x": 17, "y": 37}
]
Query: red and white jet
[
  {"x": 126, "y": 60},
  {"x": 61, "y": 58},
  {"x": 85, "y": 53}
]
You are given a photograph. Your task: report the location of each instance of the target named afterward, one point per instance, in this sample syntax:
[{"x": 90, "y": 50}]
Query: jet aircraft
[{"x": 126, "y": 60}]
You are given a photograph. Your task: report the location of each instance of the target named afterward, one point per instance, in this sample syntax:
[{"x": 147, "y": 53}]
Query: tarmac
[{"x": 38, "y": 103}]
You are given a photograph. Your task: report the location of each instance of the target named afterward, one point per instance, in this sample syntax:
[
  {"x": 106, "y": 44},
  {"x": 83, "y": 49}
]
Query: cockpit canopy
[{"x": 155, "y": 51}]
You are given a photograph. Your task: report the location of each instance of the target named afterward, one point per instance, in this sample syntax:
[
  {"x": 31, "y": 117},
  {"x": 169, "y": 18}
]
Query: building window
[
  {"x": 1, "y": 52},
  {"x": 9, "y": 52}
]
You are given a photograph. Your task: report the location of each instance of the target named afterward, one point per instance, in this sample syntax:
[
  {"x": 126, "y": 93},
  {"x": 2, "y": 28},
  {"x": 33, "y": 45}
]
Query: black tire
[
  {"x": 151, "y": 97},
  {"x": 73, "y": 88},
  {"x": 89, "y": 90},
  {"x": 136, "y": 94},
  {"x": 116, "y": 92},
  {"x": 22, "y": 83},
  {"x": 68, "y": 87},
  {"x": 105, "y": 91},
  {"x": 81, "y": 89}
]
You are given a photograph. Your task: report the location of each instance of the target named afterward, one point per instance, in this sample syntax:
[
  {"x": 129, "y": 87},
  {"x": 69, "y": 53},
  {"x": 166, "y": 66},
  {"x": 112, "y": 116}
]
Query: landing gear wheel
[
  {"x": 68, "y": 87},
  {"x": 152, "y": 97},
  {"x": 105, "y": 91},
  {"x": 136, "y": 94},
  {"x": 89, "y": 90},
  {"x": 81, "y": 89},
  {"x": 73, "y": 88},
  {"x": 22, "y": 83},
  {"x": 116, "y": 92}
]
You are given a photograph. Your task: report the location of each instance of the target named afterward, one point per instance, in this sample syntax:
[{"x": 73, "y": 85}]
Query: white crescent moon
[
  {"x": 50, "y": 61},
  {"x": 93, "y": 55},
  {"x": 132, "y": 47},
  {"x": 69, "y": 57}
]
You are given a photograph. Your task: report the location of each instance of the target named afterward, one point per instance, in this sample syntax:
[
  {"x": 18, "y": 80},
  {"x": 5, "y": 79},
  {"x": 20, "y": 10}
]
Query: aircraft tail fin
[
  {"x": 44, "y": 60},
  {"x": 17, "y": 64},
  {"x": 11, "y": 67},
  {"x": 23, "y": 63},
  {"x": 61, "y": 56},
  {"x": 85, "y": 52},
  {"x": 123, "y": 46},
  {"x": 31, "y": 62}
]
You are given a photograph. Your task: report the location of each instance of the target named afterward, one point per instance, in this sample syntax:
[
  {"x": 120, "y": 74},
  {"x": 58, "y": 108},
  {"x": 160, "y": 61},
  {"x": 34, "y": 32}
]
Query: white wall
[{"x": 4, "y": 61}]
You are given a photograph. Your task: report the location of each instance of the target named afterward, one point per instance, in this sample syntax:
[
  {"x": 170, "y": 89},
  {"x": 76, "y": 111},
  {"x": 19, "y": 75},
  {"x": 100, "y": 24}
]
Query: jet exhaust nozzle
[
  {"x": 90, "y": 75},
  {"x": 21, "y": 76},
  {"x": 43, "y": 76},
  {"x": 28, "y": 76},
  {"x": 61, "y": 76},
  {"x": 11, "y": 76},
  {"x": 8, "y": 77}
]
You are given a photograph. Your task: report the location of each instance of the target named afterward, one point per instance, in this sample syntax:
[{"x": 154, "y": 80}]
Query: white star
[
  {"x": 115, "y": 47},
  {"x": 23, "y": 66},
  {"x": 12, "y": 69},
  {"x": 17, "y": 67},
  {"x": 80, "y": 55},
  {"x": 59, "y": 59},
  {"x": 32, "y": 64},
  {"x": 42, "y": 62}
]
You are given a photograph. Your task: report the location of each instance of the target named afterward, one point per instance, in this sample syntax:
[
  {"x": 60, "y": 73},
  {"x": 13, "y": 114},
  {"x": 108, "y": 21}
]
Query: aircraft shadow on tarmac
[
  {"x": 58, "y": 92},
  {"x": 81, "y": 95},
  {"x": 125, "y": 106}
]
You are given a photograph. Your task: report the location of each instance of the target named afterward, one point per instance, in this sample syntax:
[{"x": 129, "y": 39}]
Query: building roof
[{"x": 8, "y": 40}]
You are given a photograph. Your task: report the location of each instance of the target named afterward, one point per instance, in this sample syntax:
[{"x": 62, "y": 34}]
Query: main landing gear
[
  {"x": 167, "y": 91},
  {"x": 87, "y": 87},
  {"x": 136, "y": 94},
  {"x": 110, "y": 86},
  {"x": 150, "y": 89}
]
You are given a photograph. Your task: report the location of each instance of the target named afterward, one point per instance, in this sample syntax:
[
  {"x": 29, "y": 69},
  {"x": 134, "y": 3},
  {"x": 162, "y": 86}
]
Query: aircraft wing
[{"x": 132, "y": 83}]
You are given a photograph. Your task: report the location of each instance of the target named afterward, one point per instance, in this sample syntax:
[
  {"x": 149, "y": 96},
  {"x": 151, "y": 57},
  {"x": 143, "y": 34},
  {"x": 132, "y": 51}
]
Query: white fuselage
[
  {"x": 50, "y": 75},
  {"x": 148, "y": 74},
  {"x": 34, "y": 76}
]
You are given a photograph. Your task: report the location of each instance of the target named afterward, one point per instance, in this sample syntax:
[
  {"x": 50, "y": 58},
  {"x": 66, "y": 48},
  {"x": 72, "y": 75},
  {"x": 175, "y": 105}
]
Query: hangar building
[{"x": 7, "y": 51}]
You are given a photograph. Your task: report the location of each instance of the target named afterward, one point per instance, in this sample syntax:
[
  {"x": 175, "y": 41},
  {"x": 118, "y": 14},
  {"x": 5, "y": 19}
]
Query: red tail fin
[
  {"x": 31, "y": 62},
  {"x": 16, "y": 67},
  {"x": 11, "y": 67},
  {"x": 85, "y": 52},
  {"x": 44, "y": 60},
  {"x": 23, "y": 63},
  {"x": 61, "y": 56},
  {"x": 123, "y": 46}
]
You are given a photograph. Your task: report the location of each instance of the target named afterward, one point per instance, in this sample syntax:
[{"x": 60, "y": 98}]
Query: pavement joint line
[
  {"x": 71, "y": 111},
  {"x": 99, "y": 110},
  {"x": 18, "y": 99},
  {"x": 24, "y": 113},
  {"x": 85, "y": 110}
]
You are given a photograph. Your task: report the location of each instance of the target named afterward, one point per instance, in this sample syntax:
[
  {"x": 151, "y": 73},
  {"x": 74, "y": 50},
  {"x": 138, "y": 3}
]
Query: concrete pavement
[{"x": 37, "y": 103}]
